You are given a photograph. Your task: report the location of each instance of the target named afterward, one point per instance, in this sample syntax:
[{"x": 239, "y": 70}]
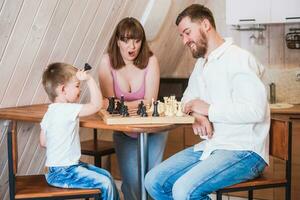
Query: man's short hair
[
  {"x": 196, "y": 12},
  {"x": 57, "y": 74}
]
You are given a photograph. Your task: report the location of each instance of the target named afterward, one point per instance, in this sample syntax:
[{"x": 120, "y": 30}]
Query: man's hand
[
  {"x": 202, "y": 126},
  {"x": 196, "y": 105}
]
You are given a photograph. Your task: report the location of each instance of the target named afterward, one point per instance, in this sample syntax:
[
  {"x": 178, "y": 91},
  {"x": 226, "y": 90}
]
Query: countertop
[
  {"x": 295, "y": 110},
  {"x": 292, "y": 113}
]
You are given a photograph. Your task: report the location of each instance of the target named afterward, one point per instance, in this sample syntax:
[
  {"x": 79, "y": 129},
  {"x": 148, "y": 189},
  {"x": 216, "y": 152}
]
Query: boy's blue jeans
[
  {"x": 83, "y": 175},
  {"x": 184, "y": 176}
]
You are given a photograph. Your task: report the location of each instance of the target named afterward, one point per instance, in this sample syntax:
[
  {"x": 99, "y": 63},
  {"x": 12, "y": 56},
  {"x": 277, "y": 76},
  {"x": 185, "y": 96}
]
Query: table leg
[
  {"x": 143, "y": 162},
  {"x": 11, "y": 158}
]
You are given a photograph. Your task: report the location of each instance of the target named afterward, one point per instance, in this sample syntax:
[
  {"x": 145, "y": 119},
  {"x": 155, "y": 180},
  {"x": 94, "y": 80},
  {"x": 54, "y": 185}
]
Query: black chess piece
[
  {"x": 111, "y": 105},
  {"x": 125, "y": 111},
  {"x": 155, "y": 111},
  {"x": 87, "y": 67},
  {"x": 143, "y": 111},
  {"x": 118, "y": 108},
  {"x": 140, "y": 107},
  {"x": 122, "y": 101}
]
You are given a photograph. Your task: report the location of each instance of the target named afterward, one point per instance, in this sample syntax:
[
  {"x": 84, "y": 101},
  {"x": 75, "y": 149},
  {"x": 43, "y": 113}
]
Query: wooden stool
[
  {"x": 280, "y": 148},
  {"x": 97, "y": 148},
  {"x": 35, "y": 186}
]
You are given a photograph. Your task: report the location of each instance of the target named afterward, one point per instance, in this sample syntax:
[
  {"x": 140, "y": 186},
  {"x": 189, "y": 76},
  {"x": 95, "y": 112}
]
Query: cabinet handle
[
  {"x": 287, "y": 18},
  {"x": 247, "y": 20}
]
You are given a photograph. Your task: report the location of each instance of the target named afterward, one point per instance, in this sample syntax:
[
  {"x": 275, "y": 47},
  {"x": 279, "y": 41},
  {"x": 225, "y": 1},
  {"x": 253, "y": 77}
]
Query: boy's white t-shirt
[{"x": 61, "y": 127}]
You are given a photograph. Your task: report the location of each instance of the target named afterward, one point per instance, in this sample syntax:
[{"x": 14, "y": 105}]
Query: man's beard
[{"x": 201, "y": 46}]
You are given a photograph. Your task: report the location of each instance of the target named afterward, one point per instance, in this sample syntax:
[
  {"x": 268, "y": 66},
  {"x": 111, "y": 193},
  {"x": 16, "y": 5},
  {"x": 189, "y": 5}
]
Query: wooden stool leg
[
  {"x": 97, "y": 160},
  {"x": 109, "y": 163},
  {"x": 250, "y": 194}
]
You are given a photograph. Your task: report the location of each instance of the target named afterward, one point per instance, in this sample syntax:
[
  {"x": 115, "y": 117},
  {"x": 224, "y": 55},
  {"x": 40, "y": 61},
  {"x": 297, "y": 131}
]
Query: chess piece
[
  {"x": 179, "y": 112},
  {"x": 118, "y": 108},
  {"x": 87, "y": 67},
  {"x": 125, "y": 111},
  {"x": 151, "y": 107},
  {"x": 140, "y": 108},
  {"x": 122, "y": 101},
  {"x": 143, "y": 111},
  {"x": 155, "y": 111},
  {"x": 160, "y": 108},
  {"x": 169, "y": 110},
  {"x": 111, "y": 105}
]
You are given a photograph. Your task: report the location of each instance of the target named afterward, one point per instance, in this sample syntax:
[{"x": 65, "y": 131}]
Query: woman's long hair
[{"x": 129, "y": 28}]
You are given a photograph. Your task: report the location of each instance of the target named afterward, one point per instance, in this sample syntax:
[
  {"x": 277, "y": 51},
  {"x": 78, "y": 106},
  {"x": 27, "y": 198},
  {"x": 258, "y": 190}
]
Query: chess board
[{"x": 134, "y": 118}]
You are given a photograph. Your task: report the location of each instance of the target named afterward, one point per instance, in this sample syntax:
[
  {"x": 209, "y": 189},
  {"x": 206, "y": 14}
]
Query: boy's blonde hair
[{"x": 57, "y": 74}]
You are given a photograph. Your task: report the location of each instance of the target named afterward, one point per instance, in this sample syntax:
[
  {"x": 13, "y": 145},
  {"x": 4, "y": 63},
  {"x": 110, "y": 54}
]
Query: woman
[{"x": 130, "y": 69}]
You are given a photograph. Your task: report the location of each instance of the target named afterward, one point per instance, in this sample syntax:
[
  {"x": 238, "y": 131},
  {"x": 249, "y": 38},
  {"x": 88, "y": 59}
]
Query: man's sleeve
[
  {"x": 249, "y": 99},
  {"x": 193, "y": 89}
]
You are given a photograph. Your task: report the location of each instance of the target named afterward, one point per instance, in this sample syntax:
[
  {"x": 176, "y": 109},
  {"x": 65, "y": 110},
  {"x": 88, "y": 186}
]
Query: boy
[{"x": 60, "y": 131}]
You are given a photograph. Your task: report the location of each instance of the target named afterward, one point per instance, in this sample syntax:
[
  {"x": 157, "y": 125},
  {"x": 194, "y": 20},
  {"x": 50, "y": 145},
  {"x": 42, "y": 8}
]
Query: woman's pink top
[{"x": 129, "y": 96}]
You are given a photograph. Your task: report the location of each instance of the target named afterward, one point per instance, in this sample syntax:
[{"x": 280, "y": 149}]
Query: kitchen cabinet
[
  {"x": 247, "y": 11},
  {"x": 285, "y": 11},
  {"x": 240, "y": 12}
]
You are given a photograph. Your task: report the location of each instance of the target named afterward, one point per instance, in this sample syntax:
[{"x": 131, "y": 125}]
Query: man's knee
[
  {"x": 179, "y": 192},
  {"x": 182, "y": 190}
]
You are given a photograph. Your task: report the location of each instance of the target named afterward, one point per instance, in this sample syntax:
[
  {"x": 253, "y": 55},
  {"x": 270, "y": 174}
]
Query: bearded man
[{"x": 229, "y": 102}]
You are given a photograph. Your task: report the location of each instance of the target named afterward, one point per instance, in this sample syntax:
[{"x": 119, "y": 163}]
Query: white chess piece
[
  {"x": 152, "y": 106},
  {"x": 160, "y": 107},
  {"x": 179, "y": 112}
]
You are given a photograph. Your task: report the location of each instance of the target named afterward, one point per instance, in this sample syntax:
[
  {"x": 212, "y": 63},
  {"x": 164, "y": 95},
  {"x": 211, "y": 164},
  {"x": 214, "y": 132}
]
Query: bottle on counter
[{"x": 272, "y": 93}]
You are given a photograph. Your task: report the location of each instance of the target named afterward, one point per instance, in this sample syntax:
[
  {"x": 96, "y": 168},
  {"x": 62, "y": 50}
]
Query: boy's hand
[{"x": 82, "y": 75}]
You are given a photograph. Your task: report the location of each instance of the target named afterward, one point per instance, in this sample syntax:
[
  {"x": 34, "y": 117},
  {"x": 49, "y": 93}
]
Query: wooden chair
[
  {"x": 35, "y": 186},
  {"x": 281, "y": 148},
  {"x": 97, "y": 148}
]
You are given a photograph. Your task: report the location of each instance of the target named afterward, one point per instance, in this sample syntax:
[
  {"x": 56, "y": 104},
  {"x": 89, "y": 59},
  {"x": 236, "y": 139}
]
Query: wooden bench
[{"x": 35, "y": 186}]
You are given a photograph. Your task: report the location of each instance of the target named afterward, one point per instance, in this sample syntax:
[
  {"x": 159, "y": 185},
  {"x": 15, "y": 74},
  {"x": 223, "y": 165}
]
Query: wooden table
[{"x": 35, "y": 113}]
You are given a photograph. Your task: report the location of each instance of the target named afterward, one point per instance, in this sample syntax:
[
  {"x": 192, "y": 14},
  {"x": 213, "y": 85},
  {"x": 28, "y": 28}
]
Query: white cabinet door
[
  {"x": 285, "y": 11},
  {"x": 248, "y": 11}
]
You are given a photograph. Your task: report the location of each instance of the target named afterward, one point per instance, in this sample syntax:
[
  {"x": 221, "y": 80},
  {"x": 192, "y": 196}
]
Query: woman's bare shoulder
[
  {"x": 153, "y": 62},
  {"x": 105, "y": 62}
]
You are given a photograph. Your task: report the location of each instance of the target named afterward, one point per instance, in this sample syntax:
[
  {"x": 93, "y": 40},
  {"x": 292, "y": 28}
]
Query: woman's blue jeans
[
  {"x": 127, "y": 151},
  {"x": 83, "y": 175},
  {"x": 183, "y": 176}
]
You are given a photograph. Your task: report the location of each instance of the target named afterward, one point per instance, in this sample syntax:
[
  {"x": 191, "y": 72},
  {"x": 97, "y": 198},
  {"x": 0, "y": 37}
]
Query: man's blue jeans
[
  {"x": 83, "y": 175},
  {"x": 184, "y": 176}
]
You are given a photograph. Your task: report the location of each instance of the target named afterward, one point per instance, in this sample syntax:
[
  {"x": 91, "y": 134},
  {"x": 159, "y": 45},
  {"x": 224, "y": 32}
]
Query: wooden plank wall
[{"x": 34, "y": 33}]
